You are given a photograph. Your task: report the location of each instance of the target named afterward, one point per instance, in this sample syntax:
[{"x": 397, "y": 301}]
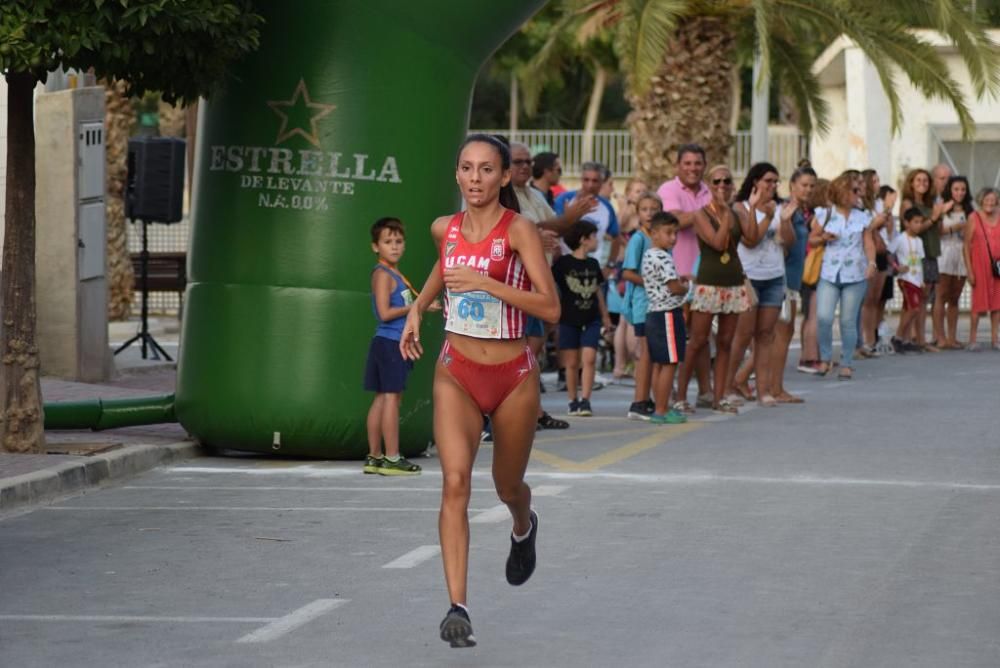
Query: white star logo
[{"x": 300, "y": 105}]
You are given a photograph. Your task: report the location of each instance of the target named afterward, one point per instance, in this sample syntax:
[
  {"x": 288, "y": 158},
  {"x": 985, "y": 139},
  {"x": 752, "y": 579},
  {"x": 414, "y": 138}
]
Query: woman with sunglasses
[
  {"x": 848, "y": 264},
  {"x": 763, "y": 260},
  {"x": 720, "y": 289}
]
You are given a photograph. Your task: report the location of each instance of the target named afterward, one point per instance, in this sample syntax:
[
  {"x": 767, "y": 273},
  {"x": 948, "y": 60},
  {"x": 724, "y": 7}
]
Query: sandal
[
  {"x": 822, "y": 368},
  {"x": 683, "y": 407},
  {"x": 767, "y": 401},
  {"x": 746, "y": 392},
  {"x": 549, "y": 422},
  {"x": 725, "y": 407},
  {"x": 973, "y": 347},
  {"x": 734, "y": 399},
  {"x": 786, "y": 398},
  {"x": 846, "y": 373}
]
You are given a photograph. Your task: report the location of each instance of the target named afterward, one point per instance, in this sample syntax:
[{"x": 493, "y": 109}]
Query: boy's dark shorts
[
  {"x": 574, "y": 337},
  {"x": 386, "y": 370},
  {"x": 665, "y": 336}
]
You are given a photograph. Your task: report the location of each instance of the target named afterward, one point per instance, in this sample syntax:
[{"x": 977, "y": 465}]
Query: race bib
[{"x": 478, "y": 314}]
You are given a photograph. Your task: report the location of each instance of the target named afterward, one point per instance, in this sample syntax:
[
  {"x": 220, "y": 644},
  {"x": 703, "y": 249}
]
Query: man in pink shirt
[{"x": 682, "y": 196}]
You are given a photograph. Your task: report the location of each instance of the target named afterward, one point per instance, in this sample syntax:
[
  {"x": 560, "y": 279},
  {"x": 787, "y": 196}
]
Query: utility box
[{"x": 71, "y": 288}]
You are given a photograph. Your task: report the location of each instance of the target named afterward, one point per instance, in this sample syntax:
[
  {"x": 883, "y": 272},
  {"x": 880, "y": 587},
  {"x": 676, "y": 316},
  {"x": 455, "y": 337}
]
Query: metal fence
[
  {"x": 786, "y": 146},
  {"x": 613, "y": 148}
]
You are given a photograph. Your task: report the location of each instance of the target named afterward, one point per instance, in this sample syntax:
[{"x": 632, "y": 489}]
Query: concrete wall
[{"x": 72, "y": 313}]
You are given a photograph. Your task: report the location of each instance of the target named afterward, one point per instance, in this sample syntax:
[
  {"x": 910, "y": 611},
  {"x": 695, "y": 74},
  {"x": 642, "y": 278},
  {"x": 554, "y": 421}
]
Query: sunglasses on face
[
  {"x": 522, "y": 162},
  {"x": 727, "y": 181}
]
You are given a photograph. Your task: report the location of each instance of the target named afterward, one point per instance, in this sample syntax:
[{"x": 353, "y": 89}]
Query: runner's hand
[
  {"x": 463, "y": 279},
  {"x": 409, "y": 341}
]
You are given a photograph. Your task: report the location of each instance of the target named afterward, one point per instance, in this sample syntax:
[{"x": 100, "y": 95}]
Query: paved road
[{"x": 859, "y": 529}]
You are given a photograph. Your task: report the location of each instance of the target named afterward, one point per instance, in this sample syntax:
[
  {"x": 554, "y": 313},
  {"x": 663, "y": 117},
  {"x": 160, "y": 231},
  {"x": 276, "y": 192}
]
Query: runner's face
[
  {"x": 802, "y": 190},
  {"x": 691, "y": 169},
  {"x": 590, "y": 183},
  {"x": 647, "y": 209},
  {"x": 390, "y": 246},
  {"x": 520, "y": 166},
  {"x": 480, "y": 174}
]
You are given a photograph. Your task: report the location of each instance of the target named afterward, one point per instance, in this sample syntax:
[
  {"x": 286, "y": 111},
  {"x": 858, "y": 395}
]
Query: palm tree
[
  {"x": 678, "y": 58},
  {"x": 119, "y": 117}
]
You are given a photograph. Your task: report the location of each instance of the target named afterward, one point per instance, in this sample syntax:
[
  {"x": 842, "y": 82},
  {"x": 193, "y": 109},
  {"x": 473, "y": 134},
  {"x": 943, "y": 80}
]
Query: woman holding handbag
[
  {"x": 982, "y": 262},
  {"x": 845, "y": 234}
]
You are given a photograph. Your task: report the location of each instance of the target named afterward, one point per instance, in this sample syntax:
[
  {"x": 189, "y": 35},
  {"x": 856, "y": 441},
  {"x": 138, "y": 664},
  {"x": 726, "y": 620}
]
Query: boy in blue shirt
[
  {"x": 642, "y": 407},
  {"x": 386, "y": 370}
]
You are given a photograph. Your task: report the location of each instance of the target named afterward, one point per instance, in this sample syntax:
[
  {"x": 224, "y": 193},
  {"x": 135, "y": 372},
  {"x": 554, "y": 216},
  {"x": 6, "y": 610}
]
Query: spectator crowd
[{"x": 706, "y": 278}]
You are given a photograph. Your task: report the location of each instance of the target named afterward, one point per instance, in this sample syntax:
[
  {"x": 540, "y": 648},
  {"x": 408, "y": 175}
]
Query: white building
[{"x": 860, "y": 133}]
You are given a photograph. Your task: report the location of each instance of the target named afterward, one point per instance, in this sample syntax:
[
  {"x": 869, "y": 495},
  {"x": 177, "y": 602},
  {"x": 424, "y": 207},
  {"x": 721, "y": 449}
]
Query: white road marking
[
  {"x": 331, "y": 509},
  {"x": 415, "y": 557},
  {"x": 298, "y": 488},
  {"x": 491, "y": 516},
  {"x": 293, "y": 620},
  {"x": 142, "y": 619},
  {"x": 698, "y": 477},
  {"x": 548, "y": 490}
]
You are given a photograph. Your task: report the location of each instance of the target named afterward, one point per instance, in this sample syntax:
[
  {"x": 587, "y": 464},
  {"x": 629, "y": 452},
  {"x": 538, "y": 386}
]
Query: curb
[{"x": 72, "y": 477}]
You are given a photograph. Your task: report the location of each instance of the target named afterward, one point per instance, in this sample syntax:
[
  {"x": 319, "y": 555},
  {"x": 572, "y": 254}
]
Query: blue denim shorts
[{"x": 770, "y": 292}]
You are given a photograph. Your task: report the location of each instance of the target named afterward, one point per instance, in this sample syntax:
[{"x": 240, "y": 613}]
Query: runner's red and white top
[{"x": 478, "y": 313}]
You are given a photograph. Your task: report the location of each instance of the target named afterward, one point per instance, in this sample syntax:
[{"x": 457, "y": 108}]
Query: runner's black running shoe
[
  {"x": 456, "y": 628},
  {"x": 521, "y": 561}
]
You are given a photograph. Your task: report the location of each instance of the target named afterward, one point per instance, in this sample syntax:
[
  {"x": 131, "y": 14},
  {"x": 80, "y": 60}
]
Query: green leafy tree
[
  {"x": 179, "y": 47},
  {"x": 678, "y": 58}
]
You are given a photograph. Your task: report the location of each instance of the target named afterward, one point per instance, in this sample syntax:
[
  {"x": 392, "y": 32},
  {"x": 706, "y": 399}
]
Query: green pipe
[{"x": 98, "y": 414}]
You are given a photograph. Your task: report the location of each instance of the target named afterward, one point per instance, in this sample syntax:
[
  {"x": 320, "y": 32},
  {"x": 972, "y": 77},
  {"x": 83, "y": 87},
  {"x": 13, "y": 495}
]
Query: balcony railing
[{"x": 786, "y": 146}]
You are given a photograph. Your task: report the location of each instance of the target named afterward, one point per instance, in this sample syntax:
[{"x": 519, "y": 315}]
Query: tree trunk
[
  {"x": 593, "y": 112},
  {"x": 20, "y": 391},
  {"x": 689, "y": 100},
  {"x": 118, "y": 121}
]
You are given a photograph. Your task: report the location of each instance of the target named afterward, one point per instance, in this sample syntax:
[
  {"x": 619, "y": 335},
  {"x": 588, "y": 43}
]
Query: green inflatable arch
[{"x": 351, "y": 110}]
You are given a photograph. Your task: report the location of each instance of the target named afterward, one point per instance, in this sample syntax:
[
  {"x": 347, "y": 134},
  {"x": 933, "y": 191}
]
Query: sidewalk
[{"x": 78, "y": 460}]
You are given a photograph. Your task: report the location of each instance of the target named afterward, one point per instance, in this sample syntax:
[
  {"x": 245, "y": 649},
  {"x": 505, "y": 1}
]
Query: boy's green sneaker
[
  {"x": 399, "y": 467},
  {"x": 670, "y": 417},
  {"x": 372, "y": 464}
]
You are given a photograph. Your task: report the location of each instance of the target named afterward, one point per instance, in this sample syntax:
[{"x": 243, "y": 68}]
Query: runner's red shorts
[{"x": 487, "y": 384}]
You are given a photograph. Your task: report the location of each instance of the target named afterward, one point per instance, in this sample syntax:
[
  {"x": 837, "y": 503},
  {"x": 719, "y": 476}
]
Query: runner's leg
[{"x": 457, "y": 424}]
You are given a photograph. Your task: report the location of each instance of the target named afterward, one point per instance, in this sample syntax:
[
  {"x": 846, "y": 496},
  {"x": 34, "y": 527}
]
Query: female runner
[{"x": 493, "y": 270}]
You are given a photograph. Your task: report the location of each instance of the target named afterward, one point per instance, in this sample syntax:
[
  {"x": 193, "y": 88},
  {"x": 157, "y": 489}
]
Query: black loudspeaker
[{"x": 154, "y": 190}]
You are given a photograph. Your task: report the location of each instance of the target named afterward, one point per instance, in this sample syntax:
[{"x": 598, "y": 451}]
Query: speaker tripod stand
[{"x": 144, "y": 337}]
